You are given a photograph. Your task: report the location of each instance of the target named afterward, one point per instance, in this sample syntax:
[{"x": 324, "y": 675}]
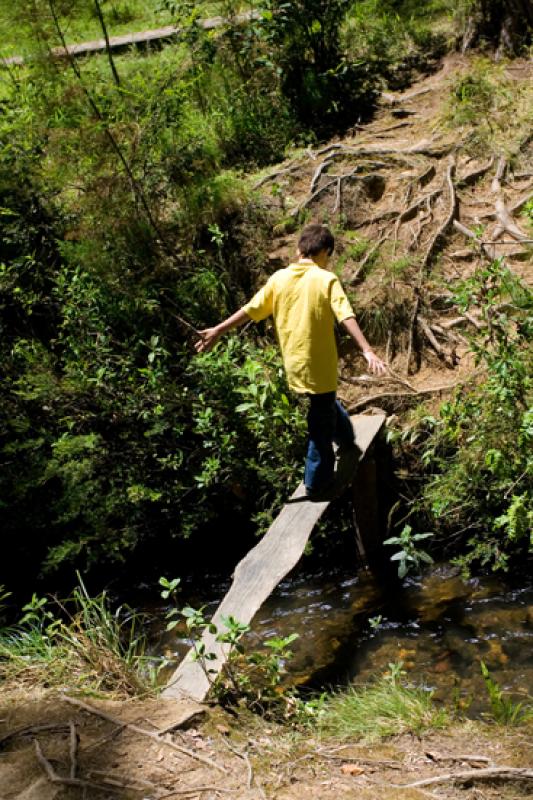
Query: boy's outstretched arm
[
  {"x": 375, "y": 364},
  {"x": 210, "y": 336}
]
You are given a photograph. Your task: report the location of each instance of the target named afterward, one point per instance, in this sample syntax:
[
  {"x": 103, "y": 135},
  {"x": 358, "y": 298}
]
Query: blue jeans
[{"x": 327, "y": 422}]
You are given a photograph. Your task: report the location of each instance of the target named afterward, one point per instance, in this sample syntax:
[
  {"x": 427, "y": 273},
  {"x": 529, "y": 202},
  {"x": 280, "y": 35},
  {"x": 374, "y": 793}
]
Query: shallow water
[{"x": 438, "y": 625}]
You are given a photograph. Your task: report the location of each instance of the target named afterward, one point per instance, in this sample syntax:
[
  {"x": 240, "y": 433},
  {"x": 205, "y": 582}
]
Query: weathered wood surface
[
  {"x": 260, "y": 571},
  {"x": 142, "y": 38}
]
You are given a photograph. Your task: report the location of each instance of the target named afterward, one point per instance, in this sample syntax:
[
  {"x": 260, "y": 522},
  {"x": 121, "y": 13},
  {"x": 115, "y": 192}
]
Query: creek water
[{"x": 351, "y": 627}]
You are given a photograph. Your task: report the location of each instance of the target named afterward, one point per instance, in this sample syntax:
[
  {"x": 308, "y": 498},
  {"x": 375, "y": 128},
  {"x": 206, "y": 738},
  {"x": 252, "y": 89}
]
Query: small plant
[
  {"x": 252, "y": 679},
  {"x": 375, "y": 622},
  {"x": 504, "y": 710},
  {"x": 410, "y": 555},
  {"x": 384, "y": 708}
]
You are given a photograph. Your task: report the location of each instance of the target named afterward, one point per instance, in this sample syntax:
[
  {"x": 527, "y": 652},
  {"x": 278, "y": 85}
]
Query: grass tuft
[{"x": 382, "y": 709}]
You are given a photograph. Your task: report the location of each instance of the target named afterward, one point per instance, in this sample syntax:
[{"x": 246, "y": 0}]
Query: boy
[{"x": 305, "y": 299}]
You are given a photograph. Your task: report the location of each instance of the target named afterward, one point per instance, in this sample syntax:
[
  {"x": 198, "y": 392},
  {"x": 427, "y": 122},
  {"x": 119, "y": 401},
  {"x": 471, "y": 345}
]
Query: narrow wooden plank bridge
[
  {"x": 143, "y": 38},
  {"x": 280, "y": 549}
]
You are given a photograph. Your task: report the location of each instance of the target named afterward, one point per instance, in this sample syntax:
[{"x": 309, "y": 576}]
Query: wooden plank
[
  {"x": 129, "y": 39},
  {"x": 260, "y": 571}
]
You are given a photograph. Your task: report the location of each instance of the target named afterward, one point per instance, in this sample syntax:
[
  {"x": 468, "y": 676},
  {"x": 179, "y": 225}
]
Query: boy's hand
[
  {"x": 208, "y": 339},
  {"x": 375, "y": 364}
]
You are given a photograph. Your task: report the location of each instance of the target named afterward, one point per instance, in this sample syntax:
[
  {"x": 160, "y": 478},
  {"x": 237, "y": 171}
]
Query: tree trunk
[{"x": 505, "y": 24}]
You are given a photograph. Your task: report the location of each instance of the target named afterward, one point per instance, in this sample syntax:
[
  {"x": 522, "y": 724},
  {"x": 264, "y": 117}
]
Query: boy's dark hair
[{"x": 315, "y": 238}]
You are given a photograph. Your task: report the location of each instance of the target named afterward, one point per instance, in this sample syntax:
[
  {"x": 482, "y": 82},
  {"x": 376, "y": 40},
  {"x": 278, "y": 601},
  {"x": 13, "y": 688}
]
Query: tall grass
[
  {"x": 80, "y": 643},
  {"x": 385, "y": 708}
]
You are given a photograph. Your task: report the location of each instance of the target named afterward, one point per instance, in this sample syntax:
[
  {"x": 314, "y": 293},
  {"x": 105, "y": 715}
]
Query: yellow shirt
[{"x": 304, "y": 300}]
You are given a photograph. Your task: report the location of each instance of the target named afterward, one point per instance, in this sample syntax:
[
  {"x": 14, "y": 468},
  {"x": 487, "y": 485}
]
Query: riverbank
[{"x": 53, "y": 749}]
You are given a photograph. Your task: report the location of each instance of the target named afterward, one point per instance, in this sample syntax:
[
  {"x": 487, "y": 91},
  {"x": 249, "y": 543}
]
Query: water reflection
[{"x": 439, "y": 626}]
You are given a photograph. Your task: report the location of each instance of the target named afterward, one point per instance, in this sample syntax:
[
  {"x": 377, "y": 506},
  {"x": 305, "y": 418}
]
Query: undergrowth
[
  {"x": 387, "y": 707},
  {"x": 492, "y": 112},
  {"x": 81, "y": 644}
]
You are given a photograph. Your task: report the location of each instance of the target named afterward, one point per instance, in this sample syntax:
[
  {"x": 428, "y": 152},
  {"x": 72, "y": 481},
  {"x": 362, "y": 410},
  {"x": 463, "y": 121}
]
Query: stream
[{"x": 438, "y": 625}]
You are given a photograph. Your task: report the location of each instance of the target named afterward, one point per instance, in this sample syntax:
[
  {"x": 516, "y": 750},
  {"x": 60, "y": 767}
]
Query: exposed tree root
[
  {"x": 155, "y": 736},
  {"x": 375, "y": 398},
  {"x": 439, "y": 234},
  {"x": 503, "y": 215},
  {"x": 486, "y": 774}
]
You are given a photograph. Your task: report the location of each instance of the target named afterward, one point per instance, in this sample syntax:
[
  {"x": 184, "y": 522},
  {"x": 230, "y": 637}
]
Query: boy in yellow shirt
[{"x": 304, "y": 300}]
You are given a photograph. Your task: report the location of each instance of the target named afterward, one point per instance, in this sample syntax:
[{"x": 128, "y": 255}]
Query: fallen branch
[
  {"x": 154, "y": 735},
  {"x": 487, "y": 774},
  {"x": 53, "y": 777}
]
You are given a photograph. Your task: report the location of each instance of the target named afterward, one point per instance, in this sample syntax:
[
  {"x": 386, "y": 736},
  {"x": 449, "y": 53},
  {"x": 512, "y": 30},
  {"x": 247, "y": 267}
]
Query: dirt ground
[{"x": 51, "y": 749}]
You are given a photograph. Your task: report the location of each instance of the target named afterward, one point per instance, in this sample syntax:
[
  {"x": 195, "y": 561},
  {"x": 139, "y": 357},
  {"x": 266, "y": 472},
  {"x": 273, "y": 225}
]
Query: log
[{"x": 260, "y": 571}]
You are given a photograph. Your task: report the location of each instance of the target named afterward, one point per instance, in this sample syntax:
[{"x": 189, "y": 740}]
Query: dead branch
[
  {"x": 53, "y": 777},
  {"x": 486, "y": 774},
  {"x": 449, "y": 217},
  {"x": 381, "y": 379},
  {"x": 361, "y": 269},
  {"x": 472, "y": 759},
  {"x": 244, "y": 756},
  {"x": 155, "y": 736},
  {"x": 338, "y": 197}
]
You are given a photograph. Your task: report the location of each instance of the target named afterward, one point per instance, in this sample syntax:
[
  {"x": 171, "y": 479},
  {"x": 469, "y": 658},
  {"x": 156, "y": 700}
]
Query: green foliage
[
  {"x": 493, "y": 111},
  {"x": 479, "y": 449},
  {"x": 410, "y": 555},
  {"x": 504, "y": 710},
  {"x": 80, "y": 642},
  {"x": 394, "y": 38},
  {"x": 385, "y": 708},
  {"x": 123, "y": 210},
  {"x": 250, "y": 679}
]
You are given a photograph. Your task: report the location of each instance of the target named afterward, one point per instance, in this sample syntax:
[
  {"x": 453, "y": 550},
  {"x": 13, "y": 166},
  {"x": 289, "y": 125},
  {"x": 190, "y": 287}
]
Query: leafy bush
[{"x": 480, "y": 448}]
